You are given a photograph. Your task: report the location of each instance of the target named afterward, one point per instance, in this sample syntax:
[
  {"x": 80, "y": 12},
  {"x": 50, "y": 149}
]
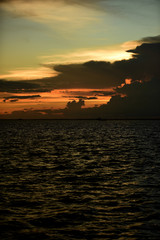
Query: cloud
[
  {"x": 100, "y": 74},
  {"x": 153, "y": 39},
  {"x": 103, "y": 93},
  {"x": 65, "y": 13},
  {"x": 141, "y": 100},
  {"x": 135, "y": 98},
  {"x": 30, "y": 114},
  {"x": 93, "y": 74},
  {"x": 27, "y": 74},
  {"x": 82, "y": 97},
  {"x": 147, "y": 50},
  {"x": 85, "y": 3},
  {"x": 146, "y": 59},
  {"x": 16, "y": 98},
  {"x": 143, "y": 66},
  {"x": 12, "y": 100},
  {"x": 79, "y": 2},
  {"x": 111, "y": 54},
  {"x": 75, "y": 106},
  {"x": 22, "y": 86},
  {"x": 147, "y": 88},
  {"x": 77, "y": 12}
]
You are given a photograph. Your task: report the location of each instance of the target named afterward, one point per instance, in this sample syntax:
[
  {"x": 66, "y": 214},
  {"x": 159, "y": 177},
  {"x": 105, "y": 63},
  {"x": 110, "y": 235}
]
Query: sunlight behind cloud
[
  {"x": 111, "y": 54},
  {"x": 130, "y": 44}
]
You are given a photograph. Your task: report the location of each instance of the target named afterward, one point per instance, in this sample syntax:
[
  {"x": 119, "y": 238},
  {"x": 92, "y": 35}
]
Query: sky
[{"x": 79, "y": 59}]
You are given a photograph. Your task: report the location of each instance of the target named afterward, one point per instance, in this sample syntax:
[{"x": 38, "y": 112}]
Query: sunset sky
[{"x": 79, "y": 58}]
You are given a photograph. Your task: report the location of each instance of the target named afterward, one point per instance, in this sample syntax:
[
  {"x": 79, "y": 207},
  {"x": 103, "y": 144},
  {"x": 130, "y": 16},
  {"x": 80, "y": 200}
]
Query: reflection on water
[{"x": 80, "y": 179}]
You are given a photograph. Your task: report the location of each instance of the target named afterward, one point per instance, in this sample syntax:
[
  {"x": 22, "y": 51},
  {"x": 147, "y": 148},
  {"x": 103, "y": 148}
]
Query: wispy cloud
[
  {"x": 52, "y": 12},
  {"x": 28, "y": 74},
  {"x": 15, "y": 98},
  {"x": 76, "y": 13},
  {"x": 104, "y": 53}
]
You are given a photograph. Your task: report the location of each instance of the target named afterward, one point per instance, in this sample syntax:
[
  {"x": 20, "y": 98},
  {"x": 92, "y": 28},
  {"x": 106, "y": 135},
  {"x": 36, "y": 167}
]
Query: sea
[{"x": 79, "y": 179}]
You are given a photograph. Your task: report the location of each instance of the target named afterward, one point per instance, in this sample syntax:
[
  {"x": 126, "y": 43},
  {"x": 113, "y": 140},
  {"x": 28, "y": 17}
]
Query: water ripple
[{"x": 80, "y": 179}]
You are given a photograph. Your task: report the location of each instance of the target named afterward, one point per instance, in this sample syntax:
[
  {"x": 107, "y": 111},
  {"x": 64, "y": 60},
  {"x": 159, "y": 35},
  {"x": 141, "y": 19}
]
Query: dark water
[{"x": 80, "y": 179}]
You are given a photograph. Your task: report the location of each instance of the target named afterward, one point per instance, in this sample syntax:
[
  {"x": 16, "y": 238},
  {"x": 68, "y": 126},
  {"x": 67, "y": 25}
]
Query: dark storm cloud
[
  {"x": 12, "y": 100},
  {"x": 149, "y": 89},
  {"x": 98, "y": 74},
  {"x": 142, "y": 100},
  {"x": 16, "y": 98},
  {"x": 30, "y": 114},
  {"x": 73, "y": 109},
  {"x": 81, "y": 97},
  {"x": 22, "y": 86},
  {"x": 155, "y": 39},
  {"x": 85, "y": 98},
  {"x": 144, "y": 104},
  {"x": 147, "y": 50},
  {"x": 93, "y": 74},
  {"x": 103, "y": 93},
  {"x": 146, "y": 59},
  {"x": 75, "y": 106}
]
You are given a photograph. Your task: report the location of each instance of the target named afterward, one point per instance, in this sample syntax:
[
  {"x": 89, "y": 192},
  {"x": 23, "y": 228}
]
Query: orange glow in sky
[{"x": 56, "y": 99}]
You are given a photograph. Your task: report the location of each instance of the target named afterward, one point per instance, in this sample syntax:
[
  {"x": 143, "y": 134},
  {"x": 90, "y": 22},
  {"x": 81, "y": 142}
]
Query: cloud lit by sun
[
  {"x": 56, "y": 52},
  {"x": 111, "y": 54},
  {"x": 29, "y": 74}
]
